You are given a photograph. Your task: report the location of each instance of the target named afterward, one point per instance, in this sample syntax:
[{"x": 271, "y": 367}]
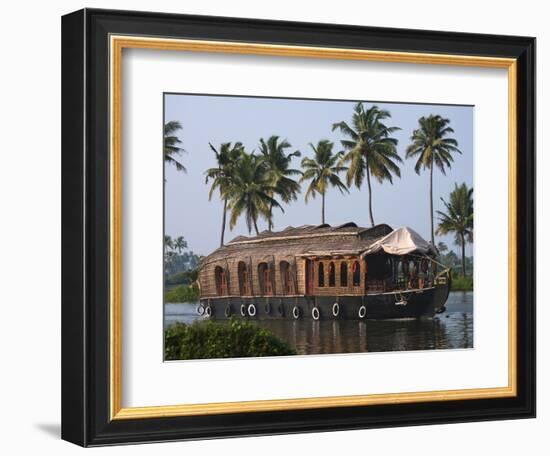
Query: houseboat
[{"x": 324, "y": 272}]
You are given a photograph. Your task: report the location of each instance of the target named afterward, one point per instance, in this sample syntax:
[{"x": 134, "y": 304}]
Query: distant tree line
[
  {"x": 176, "y": 259},
  {"x": 453, "y": 260}
]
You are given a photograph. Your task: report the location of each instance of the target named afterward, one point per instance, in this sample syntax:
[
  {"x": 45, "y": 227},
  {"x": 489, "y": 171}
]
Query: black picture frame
[{"x": 85, "y": 225}]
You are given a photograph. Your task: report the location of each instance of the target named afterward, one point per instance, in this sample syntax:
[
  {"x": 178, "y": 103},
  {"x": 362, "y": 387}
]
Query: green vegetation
[
  {"x": 462, "y": 283},
  {"x": 222, "y": 177},
  {"x": 459, "y": 218},
  {"x": 323, "y": 172},
  {"x": 234, "y": 339},
  {"x": 172, "y": 144},
  {"x": 251, "y": 192},
  {"x": 177, "y": 261},
  {"x": 370, "y": 148},
  {"x": 182, "y": 293},
  {"x": 432, "y": 146},
  {"x": 252, "y": 184},
  {"x": 179, "y": 278},
  {"x": 277, "y": 164},
  {"x": 452, "y": 261},
  {"x": 179, "y": 244},
  {"x": 182, "y": 278},
  {"x": 248, "y": 183}
]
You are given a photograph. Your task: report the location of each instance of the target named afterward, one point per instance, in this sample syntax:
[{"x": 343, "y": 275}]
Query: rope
[{"x": 401, "y": 298}]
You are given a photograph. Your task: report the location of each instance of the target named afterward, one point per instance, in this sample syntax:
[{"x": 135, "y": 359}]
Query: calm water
[{"x": 451, "y": 329}]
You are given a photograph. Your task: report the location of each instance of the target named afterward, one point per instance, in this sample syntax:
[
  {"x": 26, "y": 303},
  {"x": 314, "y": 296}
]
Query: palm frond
[{"x": 172, "y": 143}]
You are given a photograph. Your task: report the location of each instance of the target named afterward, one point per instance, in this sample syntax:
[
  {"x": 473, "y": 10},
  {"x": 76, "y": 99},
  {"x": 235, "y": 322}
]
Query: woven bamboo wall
[
  {"x": 301, "y": 275},
  {"x": 207, "y": 278}
]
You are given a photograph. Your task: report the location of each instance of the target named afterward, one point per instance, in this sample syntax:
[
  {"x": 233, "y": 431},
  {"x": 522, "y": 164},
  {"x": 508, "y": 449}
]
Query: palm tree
[
  {"x": 432, "y": 145},
  {"x": 370, "y": 148},
  {"x": 278, "y": 164},
  {"x": 226, "y": 156},
  {"x": 172, "y": 144},
  {"x": 442, "y": 247},
  {"x": 168, "y": 245},
  {"x": 180, "y": 244},
  {"x": 323, "y": 171},
  {"x": 459, "y": 218},
  {"x": 251, "y": 192}
]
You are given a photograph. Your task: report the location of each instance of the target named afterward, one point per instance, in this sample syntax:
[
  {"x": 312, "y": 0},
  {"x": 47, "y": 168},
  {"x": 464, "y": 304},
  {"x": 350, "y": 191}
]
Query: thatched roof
[{"x": 305, "y": 240}]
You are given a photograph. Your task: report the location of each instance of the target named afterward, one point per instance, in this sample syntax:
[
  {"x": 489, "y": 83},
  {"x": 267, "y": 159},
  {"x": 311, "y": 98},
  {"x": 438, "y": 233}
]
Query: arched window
[
  {"x": 221, "y": 281},
  {"x": 286, "y": 278},
  {"x": 343, "y": 274},
  {"x": 321, "y": 275},
  {"x": 356, "y": 274},
  {"x": 331, "y": 275},
  {"x": 264, "y": 276},
  {"x": 244, "y": 279}
]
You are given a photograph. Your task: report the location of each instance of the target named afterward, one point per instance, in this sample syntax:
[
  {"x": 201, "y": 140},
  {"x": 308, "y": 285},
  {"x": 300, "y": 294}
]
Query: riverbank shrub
[
  {"x": 460, "y": 283},
  {"x": 232, "y": 339},
  {"x": 182, "y": 293}
]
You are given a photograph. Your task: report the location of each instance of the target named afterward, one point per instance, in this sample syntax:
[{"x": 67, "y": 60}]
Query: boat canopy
[{"x": 402, "y": 241}]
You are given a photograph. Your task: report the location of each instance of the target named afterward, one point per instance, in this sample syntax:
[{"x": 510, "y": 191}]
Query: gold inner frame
[{"x": 117, "y": 44}]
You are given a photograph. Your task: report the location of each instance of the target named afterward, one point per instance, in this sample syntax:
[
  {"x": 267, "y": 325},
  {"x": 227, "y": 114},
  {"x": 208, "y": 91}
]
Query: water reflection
[{"x": 452, "y": 329}]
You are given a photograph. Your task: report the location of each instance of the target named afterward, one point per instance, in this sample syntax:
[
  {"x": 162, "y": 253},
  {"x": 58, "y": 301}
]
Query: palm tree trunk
[
  {"x": 256, "y": 227},
  {"x": 223, "y": 220},
  {"x": 270, "y": 221},
  {"x": 323, "y": 208},
  {"x": 463, "y": 255},
  {"x": 370, "y": 196},
  {"x": 432, "y": 201}
]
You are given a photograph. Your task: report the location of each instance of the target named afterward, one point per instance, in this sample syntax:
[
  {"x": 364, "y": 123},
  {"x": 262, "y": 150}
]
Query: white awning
[{"x": 402, "y": 241}]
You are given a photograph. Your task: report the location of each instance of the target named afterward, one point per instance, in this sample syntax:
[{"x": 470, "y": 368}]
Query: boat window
[
  {"x": 331, "y": 275},
  {"x": 321, "y": 275},
  {"x": 356, "y": 274},
  {"x": 286, "y": 279},
  {"x": 221, "y": 281},
  {"x": 244, "y": 279},
  {"x": 264, "y": 277},
  {"x": 343, "y": 274}
]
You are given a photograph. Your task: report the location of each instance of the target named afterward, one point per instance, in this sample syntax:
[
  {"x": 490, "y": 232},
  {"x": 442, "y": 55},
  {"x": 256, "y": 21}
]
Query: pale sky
[{"x": 218, "y": 119}]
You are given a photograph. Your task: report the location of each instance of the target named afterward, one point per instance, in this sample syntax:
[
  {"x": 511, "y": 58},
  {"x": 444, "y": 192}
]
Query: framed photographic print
[{"x": 268, "y": 227}]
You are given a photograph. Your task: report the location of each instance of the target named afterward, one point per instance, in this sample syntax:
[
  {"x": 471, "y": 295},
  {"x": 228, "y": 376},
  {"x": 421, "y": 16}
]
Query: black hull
[{"x": 408, "y": 304}]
